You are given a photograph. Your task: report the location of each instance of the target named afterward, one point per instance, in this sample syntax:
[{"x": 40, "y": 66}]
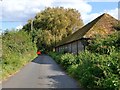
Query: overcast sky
[{"x": 15, "y": 13}]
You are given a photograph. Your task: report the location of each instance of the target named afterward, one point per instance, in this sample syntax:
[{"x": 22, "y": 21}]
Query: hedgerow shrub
[
  {"x": 67, "y": 60},
  {"x": 93, "y": 70},
  {"x": 99, "y": 71},
  {"x": 72, "y": 70},
  {"x": 105, "y": 45},
  {"x": 98, "y": 67},
  {"x": 18, "y": 49}
]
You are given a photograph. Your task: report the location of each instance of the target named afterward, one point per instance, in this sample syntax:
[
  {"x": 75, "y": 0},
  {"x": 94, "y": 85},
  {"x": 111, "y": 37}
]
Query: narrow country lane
[{"x": 42, "y": 72}]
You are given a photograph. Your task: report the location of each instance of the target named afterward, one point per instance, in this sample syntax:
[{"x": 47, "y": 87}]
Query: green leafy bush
[
  {"x": 98, "y": 67},
  {"x": 67, "y": 60},
  {"x": 95, "y": 71},
  {"x": 105, "y": 45},
  {"x": 72, "y": 70}
]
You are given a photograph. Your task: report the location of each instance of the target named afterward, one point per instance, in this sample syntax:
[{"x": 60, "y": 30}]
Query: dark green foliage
[
  {"x": 67, "y": 60},
  {"x": 98, "y": 67},
  {"x": 105, "y": 45},
  {"x": 18, "y": 49},
  {"x": 99, "y": 71}
]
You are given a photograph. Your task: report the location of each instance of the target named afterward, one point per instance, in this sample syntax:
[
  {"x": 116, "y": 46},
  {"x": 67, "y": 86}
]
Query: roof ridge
[
  {"x": 82, "y": 31},
  {"x": 91, "y": 22},
  {"x": 79, "y": 30}
]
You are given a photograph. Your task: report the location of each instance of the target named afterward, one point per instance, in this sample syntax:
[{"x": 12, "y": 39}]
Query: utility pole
[
  {"x": 32, "y": 25},
  {"x": 32, "y": 30},
  {"x": 55, "y": 40},
  {"x": 118, "y": 10}
]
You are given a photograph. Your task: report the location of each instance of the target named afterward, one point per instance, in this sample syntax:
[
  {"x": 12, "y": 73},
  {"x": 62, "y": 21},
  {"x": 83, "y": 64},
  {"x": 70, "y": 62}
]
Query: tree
[{"x": 57, "y": 22}]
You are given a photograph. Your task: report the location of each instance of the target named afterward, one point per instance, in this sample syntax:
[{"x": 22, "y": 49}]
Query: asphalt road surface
[{"x": 42, "y": 72}]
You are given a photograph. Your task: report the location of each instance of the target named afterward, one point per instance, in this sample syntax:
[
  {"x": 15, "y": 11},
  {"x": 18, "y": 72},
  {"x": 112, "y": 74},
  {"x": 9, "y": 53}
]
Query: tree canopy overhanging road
[{"x": 42, "y": 72}]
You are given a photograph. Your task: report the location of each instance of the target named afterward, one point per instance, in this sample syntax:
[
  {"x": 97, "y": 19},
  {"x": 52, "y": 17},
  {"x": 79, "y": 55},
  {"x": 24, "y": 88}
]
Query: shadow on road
[
  {"x": 63, "y": 81},
  {"x": 42, "y": 59},
  {"x": 47, "y": 60},
  {"x": 53, "y": 73},
  {"x": 42, "y": 72}
]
